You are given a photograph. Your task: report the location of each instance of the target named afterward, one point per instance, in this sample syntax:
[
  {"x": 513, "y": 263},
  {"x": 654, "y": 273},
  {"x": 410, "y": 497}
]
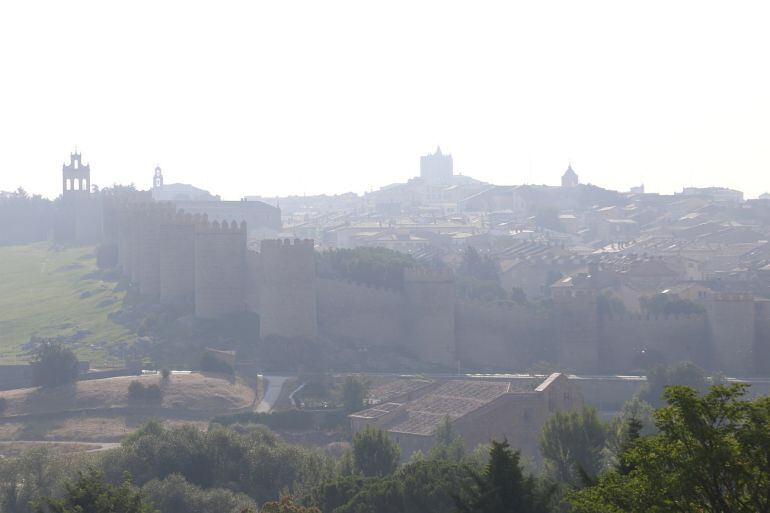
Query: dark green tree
[
  {"x": 710, "y": 455},
  {"x": 608, "y": 305},
  {"x": 175, "y": 494},
  {"x": 380, "y": 267},
  {"x": 668, "y": 304},
  {"x": 89, "y": 493},
  {"x": 374, "y": 453},
  {"x": 54, "y": 365},
  {"x": 571, "y": 444},
  {"x": 449, "y": 445},
  {"x": 353, "y": 393},
  {"x": 478, "y": 266},
  {"x": 518, "y": 295},
  {"x": 418, "y": 487},
  {"x": 661, "y": 376},
  {"x": 502, "y": 487}
]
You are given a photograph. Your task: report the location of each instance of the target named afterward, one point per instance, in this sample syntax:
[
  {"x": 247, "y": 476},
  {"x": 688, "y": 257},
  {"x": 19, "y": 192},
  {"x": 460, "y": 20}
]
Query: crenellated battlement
[
  {"x": 731, "y": 296},
  {"x": 204, "y": 226},
  {"x": 274, "y": 244},
  {"x": 628, "y": 318}
]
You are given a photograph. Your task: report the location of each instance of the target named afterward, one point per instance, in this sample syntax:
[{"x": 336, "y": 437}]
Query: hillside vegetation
[{"x": 47, "y": 292}]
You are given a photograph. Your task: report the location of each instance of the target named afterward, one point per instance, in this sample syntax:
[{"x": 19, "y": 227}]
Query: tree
[
  {"x": 380, "y": 267},
  {"x": 91, "y": 494},
  {"x": 502, "y": 486},
  {"x": 54, "y": 365},
  {"x": 518, "y": 295},
  {"x": 285, "y": 505},
  {"x": 475, "y": 265},
  {"x": 608, "y": 304},
  {"x": 668, "y": 304},
  {"x": 174, "y": 493},
  {"x": 661, "y": 376},
  {"x": 374, "y": 453},
  {"x": 571, "y": 444},
  {"x": 710, "y": 455},
  {"x": 449, "y": 445},
  {"x": 418, "y": 487},
  {"x": 34, "y": 474},
  {"x": 353, "y": 395},
  {"x": 483, "y": 290}
]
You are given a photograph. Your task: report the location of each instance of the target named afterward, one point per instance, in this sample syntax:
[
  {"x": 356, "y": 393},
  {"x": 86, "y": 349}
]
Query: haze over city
[{"x": 307, "y": 97}]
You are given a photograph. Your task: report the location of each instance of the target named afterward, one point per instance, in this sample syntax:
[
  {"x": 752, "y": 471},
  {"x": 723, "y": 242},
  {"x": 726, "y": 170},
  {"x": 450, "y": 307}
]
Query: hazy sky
[{"x": 296, "y": 97}]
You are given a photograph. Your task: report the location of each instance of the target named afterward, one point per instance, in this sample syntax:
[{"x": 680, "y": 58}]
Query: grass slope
[{"x": 48, "y": 292}]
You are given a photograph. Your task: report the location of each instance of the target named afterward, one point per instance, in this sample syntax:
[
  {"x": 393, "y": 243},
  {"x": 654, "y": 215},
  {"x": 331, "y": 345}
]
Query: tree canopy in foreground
[{"x": 710, "y": 455}]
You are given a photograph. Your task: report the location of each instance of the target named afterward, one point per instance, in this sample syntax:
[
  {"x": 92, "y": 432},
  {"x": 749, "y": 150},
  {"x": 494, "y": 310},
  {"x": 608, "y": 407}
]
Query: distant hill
[{"x": 49, "y": 292}]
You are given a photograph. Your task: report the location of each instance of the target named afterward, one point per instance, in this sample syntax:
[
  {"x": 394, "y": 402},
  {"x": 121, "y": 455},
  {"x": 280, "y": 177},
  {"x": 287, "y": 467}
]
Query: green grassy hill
[{"x": 49, "y": 292}]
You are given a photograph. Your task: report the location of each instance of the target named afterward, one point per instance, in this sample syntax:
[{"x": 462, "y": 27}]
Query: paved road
[
  {"x": 274, "y": 386},
  {"x": 91, "y": 446}
]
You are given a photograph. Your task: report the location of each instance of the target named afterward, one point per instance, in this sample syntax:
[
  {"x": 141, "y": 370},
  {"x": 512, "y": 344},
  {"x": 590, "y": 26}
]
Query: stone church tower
[
  {"x": 79, "y": 219},
  {"x": 76, "y": 178}
]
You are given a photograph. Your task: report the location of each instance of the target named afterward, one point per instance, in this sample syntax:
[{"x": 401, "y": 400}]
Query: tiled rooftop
[
  {"x": 454, "y": 399},
  {"x": 394, "y": 388}
]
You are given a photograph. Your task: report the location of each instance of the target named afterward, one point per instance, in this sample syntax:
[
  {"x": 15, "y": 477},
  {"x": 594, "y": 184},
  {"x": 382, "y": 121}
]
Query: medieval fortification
[{"x": 173, "y": 256}]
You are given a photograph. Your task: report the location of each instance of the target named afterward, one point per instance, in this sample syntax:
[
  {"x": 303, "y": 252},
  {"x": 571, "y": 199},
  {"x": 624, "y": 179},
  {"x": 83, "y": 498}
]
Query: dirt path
[{"x": 274, "y": 386}]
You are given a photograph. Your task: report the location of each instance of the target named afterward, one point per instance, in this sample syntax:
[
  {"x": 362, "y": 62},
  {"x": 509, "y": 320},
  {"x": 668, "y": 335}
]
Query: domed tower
[{"x": 569, "y": 178}]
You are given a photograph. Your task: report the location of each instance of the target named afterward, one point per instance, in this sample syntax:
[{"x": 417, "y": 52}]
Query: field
[
  {"x": 48, "y": 292},
  {"x": 100, "y": 411}
]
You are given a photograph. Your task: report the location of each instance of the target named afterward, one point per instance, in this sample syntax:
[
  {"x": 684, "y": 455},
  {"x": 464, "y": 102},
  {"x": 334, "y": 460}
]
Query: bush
[
  {"x": 174, "y": 493},
  {"x": 353, "y": 395},
  {"x": 165, "y": 373},
  {"x": 54, "y": 365},
  {"x": 287, "y": 419},
  {"x": 210, "y": 363},
  {"x": 374, "y": 453},
  {"x": 3, "y": 405},
  {"x": 139, "y": 393}
]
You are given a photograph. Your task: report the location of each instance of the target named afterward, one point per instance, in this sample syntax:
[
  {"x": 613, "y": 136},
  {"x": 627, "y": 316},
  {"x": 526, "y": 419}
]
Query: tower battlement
[
  {"x": 224, "y": 227},
  {"x": 282, "y": 243}
]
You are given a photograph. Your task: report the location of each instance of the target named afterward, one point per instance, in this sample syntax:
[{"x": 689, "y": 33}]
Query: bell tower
[
  {"x": 157, "y": 179},
  {"x": 76, "y": 177}
]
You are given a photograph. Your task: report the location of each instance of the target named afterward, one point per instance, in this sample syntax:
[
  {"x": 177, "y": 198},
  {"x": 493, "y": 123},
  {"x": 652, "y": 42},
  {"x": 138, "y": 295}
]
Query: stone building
[
  {"x": 477, "y": 410},
  {"x": 436, "y": 168}
]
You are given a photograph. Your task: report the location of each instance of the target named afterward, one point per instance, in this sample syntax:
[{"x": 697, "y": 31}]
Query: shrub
[
  {"x": 374, "y": 453},
  {"x": 139, "y": 393},
  {"x": 3, "y": 405},
  {"x": 153, "y": 394},
  {"x": 54, "y": 365},
  {"x": 165, "y": 373},
  {"x": 135, "y": 391},
  {"x": 354, "y": 392},
  {"x": 210, "y": 363}
]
